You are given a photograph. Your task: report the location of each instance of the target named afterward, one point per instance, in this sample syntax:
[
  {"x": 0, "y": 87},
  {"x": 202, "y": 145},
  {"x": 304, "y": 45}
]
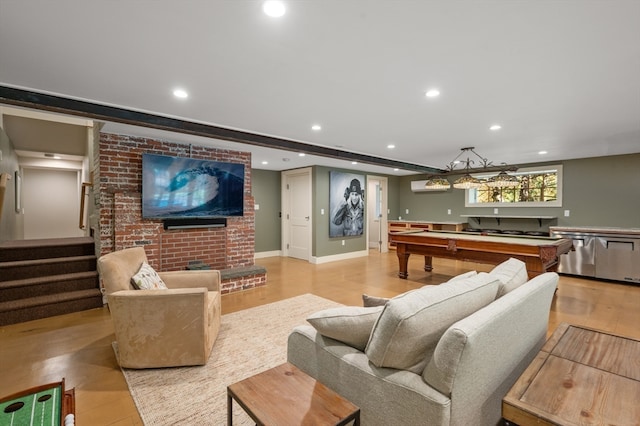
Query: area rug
[{"x": 250, "y": 341}]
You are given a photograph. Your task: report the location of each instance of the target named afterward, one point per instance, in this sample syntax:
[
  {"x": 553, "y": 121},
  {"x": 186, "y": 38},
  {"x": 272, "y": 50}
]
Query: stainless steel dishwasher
[{"x": 618, "y": 257}]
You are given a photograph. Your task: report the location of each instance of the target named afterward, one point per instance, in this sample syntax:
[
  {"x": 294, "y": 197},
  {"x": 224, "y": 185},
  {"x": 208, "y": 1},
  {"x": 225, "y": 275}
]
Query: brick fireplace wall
[{"x": 118, "y": 174}]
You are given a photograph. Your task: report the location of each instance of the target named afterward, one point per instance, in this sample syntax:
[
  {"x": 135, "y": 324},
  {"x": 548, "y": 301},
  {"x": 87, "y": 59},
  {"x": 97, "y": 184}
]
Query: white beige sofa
[{"x": 439, "y": 355}]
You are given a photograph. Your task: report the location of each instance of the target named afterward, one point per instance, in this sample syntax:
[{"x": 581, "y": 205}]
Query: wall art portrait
[{"x": 346, "y": 204}]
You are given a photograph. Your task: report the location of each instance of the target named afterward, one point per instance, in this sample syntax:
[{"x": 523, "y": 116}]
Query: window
[{"x": 539, "y": 187}]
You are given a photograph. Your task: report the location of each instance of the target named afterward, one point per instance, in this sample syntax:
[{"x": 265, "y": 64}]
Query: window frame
[{"x": 470, "y": 193}]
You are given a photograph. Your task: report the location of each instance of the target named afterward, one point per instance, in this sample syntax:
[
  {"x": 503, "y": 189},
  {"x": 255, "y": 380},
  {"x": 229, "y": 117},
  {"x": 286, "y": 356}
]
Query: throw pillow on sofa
[
  {"x": 369, "y": 301},
  {"x": 410, "y": 325},
  {"x": 512, "y": 274},
  {"x": 464, "y": 275},
  {"x": 348, "y": 324},
  {"x": 147, "y": 279}
]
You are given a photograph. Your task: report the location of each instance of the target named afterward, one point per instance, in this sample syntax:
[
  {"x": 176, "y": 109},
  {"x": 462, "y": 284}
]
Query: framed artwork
[{"x": 346, "y": 204}]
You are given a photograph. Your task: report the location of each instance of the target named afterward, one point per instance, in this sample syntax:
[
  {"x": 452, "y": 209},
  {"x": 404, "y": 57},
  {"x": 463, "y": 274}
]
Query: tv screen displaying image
[{"x": 178, "y": 187}]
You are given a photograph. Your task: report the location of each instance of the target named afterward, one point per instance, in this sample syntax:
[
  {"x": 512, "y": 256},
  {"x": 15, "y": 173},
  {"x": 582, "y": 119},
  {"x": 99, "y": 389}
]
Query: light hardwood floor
[{"x": 78, "y": 346}]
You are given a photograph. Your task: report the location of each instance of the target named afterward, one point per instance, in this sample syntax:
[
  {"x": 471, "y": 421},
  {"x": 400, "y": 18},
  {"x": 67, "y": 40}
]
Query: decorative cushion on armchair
[{"x": 155, "y": 328}]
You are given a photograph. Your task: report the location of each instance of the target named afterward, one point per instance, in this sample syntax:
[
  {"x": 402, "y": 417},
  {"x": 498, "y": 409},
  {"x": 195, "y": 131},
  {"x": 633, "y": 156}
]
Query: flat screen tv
[{"x": 188, "y": 188}]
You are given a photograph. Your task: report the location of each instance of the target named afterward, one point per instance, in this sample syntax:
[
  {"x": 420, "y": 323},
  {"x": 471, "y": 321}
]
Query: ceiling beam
[{"x": 59, "y": 104}]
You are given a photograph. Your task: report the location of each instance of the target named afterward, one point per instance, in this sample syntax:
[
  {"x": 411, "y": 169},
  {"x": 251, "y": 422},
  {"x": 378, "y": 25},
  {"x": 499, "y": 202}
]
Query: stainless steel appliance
[
  {"x": 581, "y": 260},
  {"x": 608, "y": 253},
  {"x": 618, "y": 257}
]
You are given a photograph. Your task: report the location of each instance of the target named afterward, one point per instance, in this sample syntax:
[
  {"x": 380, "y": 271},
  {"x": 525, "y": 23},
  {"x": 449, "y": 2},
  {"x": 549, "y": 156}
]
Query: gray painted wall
[
  {"x": 265, "y": 188},
  {"x": 322, "y": 245},
  {"x": 602, "y": 191}
]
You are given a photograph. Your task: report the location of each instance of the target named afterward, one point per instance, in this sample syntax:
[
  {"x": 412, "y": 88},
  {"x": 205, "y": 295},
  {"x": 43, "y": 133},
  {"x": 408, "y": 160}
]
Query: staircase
[{"x": 44, "y": 278}]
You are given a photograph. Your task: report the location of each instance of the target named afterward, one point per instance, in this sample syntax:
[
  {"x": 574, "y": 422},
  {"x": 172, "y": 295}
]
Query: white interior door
[
  {"x": 377, "y": 226},
  {"x": 51, "y": 202},
  {"x": 297, "y": 213}
]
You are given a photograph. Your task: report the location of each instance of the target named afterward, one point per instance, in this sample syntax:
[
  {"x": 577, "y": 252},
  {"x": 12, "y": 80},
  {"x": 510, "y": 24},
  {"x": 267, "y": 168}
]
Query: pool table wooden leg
[
  {"x": 403, "y": 260},
  {"x": 428, "y": 263}
]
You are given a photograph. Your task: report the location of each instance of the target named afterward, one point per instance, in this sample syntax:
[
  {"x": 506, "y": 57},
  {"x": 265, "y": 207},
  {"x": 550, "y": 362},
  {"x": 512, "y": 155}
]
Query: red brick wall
[{"x": 119, "y": 176}]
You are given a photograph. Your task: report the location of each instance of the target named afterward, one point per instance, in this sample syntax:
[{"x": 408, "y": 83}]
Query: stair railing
[{"x": 83, "y": 195}]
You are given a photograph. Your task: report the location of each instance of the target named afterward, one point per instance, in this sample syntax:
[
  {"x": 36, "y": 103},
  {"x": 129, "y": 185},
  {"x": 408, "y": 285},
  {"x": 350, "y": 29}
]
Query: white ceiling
[{"x": 561, "y": 76}]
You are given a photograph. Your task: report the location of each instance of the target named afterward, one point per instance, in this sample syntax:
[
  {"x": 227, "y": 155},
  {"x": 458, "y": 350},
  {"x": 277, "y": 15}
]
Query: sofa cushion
[
  {"x": 464, "y": 275},
  {"x": 368, "y": 301},
  {"x": 348, "y": 324},
  {"x": 512, "y": 273},
  {"x": 411, "y": 324},
  {"x": 147, "y": 279},
  {"x": 371, "y": 301}
]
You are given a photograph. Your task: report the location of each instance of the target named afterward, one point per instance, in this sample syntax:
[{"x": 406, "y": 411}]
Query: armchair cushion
[{"x": 147, "y": 279}]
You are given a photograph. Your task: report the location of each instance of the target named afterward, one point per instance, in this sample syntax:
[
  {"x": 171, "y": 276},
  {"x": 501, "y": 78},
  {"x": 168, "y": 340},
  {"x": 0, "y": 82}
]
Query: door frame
[
  {"x": 384, "y": 237},
  {"x": 286, "y": 208}
]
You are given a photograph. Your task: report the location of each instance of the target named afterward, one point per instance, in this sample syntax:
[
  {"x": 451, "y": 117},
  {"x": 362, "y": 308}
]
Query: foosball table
[{"x": 48, "y": 404}]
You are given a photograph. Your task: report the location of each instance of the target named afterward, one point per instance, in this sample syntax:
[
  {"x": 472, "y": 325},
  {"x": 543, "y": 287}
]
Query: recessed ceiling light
[
  {"x": 316, "y": 127},
  {"x": 495, "y": 127},
  {"x": 391, "y": 146},
  {"x": 180, "y": 93},
  {"x": 395, "y": 170},
  {"x": 302, "y": 154},
  {"x": 265, "y": 162},
  {"x": 354, "y": 162},
  {"x": 542, "y": 152},
  {"x": 432, "y": 93},
  {"x": 273, "y": 8}
]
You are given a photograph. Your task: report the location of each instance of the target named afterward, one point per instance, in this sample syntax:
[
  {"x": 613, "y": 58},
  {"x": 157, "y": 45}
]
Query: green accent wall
[
  {"x": 322, "y": 245},
  {"x": 265, "y": 188},
  {"x": 601, "y": 191}
]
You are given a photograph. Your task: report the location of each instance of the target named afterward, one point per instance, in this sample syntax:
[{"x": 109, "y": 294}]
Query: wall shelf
[{"x": 498, "y": 217}]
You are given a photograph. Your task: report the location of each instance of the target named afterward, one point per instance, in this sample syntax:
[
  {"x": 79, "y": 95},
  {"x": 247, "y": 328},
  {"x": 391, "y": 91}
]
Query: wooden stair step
[
  {"x": 13, "y": 312},
  {"x": 44, "y": 300},
  {"x": 45, "y": 248},
  {"x": 33, "y": 268},
  {"x": 46, "y": 285},
  {"x": 40, "y": 278}
]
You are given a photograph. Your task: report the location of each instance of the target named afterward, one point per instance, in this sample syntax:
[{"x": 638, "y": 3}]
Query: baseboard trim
[
  {"x": 342, "y": 256},
  {"x": 274, "y": 253}
]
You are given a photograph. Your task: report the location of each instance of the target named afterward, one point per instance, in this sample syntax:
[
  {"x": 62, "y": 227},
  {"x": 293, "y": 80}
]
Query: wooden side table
[
  {"x": 286, "y": 395},
  {"x": 581, "y": 376}
]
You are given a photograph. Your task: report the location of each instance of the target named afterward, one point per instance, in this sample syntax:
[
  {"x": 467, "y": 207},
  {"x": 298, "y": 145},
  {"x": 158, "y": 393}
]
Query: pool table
[{"x": 540, "y": 254}]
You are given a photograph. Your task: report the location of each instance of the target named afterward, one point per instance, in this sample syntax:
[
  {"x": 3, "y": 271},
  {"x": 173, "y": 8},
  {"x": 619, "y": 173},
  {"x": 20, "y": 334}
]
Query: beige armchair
[{"x": 161, "y": 328}]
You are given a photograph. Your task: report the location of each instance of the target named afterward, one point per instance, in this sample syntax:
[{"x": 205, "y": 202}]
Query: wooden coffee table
[
  {"x": 581, "y": 376},
  {"x": 286, "y": 395}
]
